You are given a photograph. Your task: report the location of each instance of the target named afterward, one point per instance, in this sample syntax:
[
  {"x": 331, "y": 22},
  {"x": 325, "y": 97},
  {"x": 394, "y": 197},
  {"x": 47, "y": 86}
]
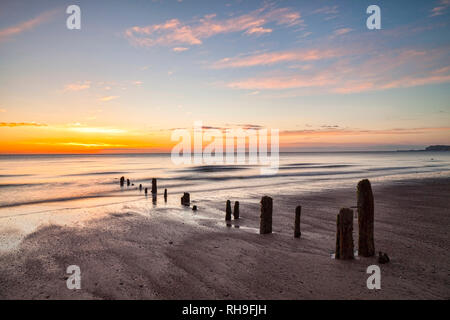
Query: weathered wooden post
[
  {"x": 154, "y": 187},
  {"x": 236, "y": 210},
  {"x": 140, "y": 187},
  {"x": 194, "y": 208},
  {"x": 165, "y": 195},
  {"x": 146, "y": 191},
  {"x": 344, "y": 234},
  {"x": 265, "y": 225},
  {"x": 298, "y": 212},
  {"x": 228, "y": 211},
  {"x": 365, "y": 203},
  {"x": 186, "y": 199},
  {"x": 122, "y": 181},
  {"x": 128, "y": 182}
]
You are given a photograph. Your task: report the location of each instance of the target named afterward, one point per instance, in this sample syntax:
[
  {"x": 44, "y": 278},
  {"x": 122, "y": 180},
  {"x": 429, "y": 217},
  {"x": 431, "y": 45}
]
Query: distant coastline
[{"x": 430, "y": 148}]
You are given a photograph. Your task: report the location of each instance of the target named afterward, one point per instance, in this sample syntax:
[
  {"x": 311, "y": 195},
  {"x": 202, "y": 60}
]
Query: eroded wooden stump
[
  {"x": 228, "y": 211},
  {"x": 265, "y": 225},
  {"x": 186, "y": 199},
  {"x": 365, "y": 203},
  {"x": 344, "y": 234},
  {"x": 236, "y": 210},
  {"x": 165, "y": 195},
  {"x": 298, "y": 212},
  {"x": 154, "y": 187}
]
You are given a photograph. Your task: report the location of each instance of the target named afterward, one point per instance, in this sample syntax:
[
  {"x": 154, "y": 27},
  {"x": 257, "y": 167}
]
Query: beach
[{"x": 143, "y": 250}]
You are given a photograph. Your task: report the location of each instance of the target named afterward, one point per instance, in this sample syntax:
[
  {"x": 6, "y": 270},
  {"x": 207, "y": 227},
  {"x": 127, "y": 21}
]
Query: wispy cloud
[
  {"x": 351, "y": 132},
  {"x": 271, "y": 58},
  {"x": 108, "y": 98},
  {"x": 440, "y": 9},
  {"x": 327, "y": 10},
  {"x": 27, "y": 25},
  {"x": 349, "y": 73},
  {"x": 342, "y": 31},
  {"x": 180, "y": 49},
  {"x": 77, "y": 86},
  {"x": 174, "y": 31},
  {"x": 97, "y": 130},
  {"x": 258, "y": 30},
  {"x": 282, "y": 82},
  {"x": 21, "y": 124}
]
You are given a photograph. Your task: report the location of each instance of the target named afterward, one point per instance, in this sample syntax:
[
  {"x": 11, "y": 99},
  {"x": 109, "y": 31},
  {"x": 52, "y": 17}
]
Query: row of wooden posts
[{"x": 344, "y": 221}]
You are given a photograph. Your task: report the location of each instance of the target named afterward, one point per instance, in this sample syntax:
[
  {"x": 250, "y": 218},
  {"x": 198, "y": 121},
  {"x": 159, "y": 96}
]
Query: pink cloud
[
  {"x": 173, "y": 32},
  {"x": 440, "y": 10},
  {"x": 272, "y": 83},
  {"x": 180, "y": 49},
  {"x": 26, "y": 25},
  {"x": 380, "y": 71},
  {"x": 78, "y": 86},
  {"x": 342, "y": 31},
  {"x": 277, "y": 57},
  {"x": 258, "y": 30}
]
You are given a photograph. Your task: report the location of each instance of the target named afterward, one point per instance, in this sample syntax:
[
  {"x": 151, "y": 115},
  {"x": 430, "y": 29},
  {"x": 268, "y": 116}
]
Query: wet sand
[{"x": 174, "y": 253}]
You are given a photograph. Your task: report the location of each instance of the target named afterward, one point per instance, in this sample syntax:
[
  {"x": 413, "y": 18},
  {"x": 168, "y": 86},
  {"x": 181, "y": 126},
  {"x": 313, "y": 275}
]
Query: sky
[{"x": 136, "y": 70}]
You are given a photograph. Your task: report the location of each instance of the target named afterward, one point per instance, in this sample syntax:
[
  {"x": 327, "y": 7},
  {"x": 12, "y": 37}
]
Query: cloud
[
  {"x": 77, "y": 86},
  {"x": 351, "y": 132},
  {"x": 21, "y": 124},
  {"x": 327, "y": 10},
  {"x": 180, "y": 49},
  {"x": 174, "y": 31},
  {"x": 353, "y": 73},
  {"x": 282, "y": 82},
  {"x": 440, "y": 10},
  {"x": 108, "y": 98},
  {"x": 342, "y": 31},
  {"x": 27, "y": 25},
  {"x": 258, "y": 30},
  {"x": 97, "y": 130},
  {"x": 265, "y": 59}
]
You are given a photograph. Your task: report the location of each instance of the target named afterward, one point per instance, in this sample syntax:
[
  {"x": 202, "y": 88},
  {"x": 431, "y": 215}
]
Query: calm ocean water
[{"x": 65, "y": 180}]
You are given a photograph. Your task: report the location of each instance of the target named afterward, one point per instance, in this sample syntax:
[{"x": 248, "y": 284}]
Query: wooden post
[
  {"x": 298, "y": 212},
  {"x": 154, "y": 188},
  {"x": 265, "y": 225},
  {"x": 146, "y": 191},
  {"x": 236, "y": 210},
  {"x": 128, "y": 182},
  {"x": 122, "y": 181},
  {"x": 165, "y": 195},
  {"x": 344, "y": 234},
  {"x": 140, "y": 187},
  {"x": 228, "y": 211},
  {"x": 186, "y": 199},
  {"x": 365, "y": 203}
]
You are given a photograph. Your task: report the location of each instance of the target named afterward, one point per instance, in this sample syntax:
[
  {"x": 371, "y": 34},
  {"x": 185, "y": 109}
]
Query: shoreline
[{"x": 171, "y": 253}]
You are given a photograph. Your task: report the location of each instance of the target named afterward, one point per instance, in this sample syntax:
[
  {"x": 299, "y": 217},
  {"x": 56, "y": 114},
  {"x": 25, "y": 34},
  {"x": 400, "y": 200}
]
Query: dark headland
[{"x": 430, "y": 148}]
